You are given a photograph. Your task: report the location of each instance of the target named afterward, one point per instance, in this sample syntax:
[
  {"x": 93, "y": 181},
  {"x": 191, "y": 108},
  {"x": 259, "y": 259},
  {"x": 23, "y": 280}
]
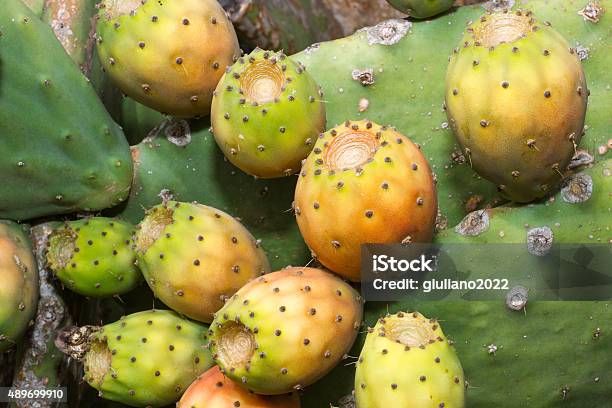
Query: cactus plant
[
  {"x": 411, "y": 54},
  {"x": 19, "y": 291},
  {"x": 145, "y": 359},
  {"x": 407, "y": 361},
  {"x": 266, "y": 114},
  {"x": 69, "y": 155},
  {"x": 214, "y": 390},
  {"x": 168, "y": 56},
  {"x": 94, "y": 257},
  {"x": 285, "y": 330},
  {"x": 376, "y": 184},
  {"x": 505, "y": 137},
  {"x": 194, "y": 257}
]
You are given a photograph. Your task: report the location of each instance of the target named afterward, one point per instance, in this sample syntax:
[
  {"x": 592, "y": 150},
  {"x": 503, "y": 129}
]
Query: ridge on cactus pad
[
  {"x": 285, "y": 330},
  {"x": 363, "y": 183},
  {"x": 19, "y": 283},
  {"x": 214, "y": 390},
  {"x": 60, "y": 151},
  {"x": 266, "y": 114},
  {"x": 94, "y": 256},
  {"x": 194, "y": 257},
  {"x": 516, "y": 98},
  {"x": 168, "y": 55},
  {"x": 407, "y": 361}
]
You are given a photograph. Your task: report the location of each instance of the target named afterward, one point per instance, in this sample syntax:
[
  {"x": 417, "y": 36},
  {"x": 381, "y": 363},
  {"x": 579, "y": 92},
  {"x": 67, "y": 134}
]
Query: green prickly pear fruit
[
  {"x": 421, "y": 8},
  {"x": 60, "y": 150},
  {"x": 516, "y": 99},
  {"x": 214, "y": 390},
  {"x": 285, "y": 330},
  {"x": 144, "y": 359},
  {"x": 19, "y": 283},
  {"x": 94, "y": 256},
  {"x": 168, "y": 55},
  {"x": 374, "y": 183},
  {"x": 407, "y": 362},
  {"x": 194, "y": 257},
  {"x": 266, "y": 114}
]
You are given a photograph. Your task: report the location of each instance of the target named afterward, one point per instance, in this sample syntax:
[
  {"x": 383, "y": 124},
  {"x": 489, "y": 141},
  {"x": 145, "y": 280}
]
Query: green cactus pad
[
  {"x": 147, "y": 358},
  {"x": 421, "y": 8},
  {"x": 266, "y": 114},
  {"x": 285, "y": 330},
  {"x": 195, "y": 257},
  {"x": 407, "y": 361},
  {"x": 94, "y": 256},
  {"x": 61, "y": 151},
  {"x": 19, "y": 288}
]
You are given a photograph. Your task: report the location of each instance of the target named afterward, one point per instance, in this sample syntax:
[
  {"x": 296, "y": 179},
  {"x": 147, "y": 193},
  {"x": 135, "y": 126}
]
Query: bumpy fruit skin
[
  {"x": 19, "y": 283},
  {"x": 194, "y": 257},
  {"x": 421, "y": 8},
  {"x": 407, "y": 362},
  {"x": 147, "y": 358},
  {"x": 363, "y": 183},
  {"x": 267, "y": 113},
  {"x": 285, "y": 330},
  {"x": 516, "y": 99},
  {"x": 94, "y": 256},
  {"x": 214, "y": 390},
  {"x": 168, "y": 55}
]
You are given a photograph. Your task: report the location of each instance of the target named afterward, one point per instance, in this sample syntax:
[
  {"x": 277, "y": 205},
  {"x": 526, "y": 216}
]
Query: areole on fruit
[
  {"x": 350, "y": 149},
  {"x": 235, "y": 345},
  {"x": 262, "y": 82}
]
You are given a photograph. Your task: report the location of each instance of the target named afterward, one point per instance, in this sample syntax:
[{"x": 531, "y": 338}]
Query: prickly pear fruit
[
  {"x": 144, "y": 359},
  {"x": 516, "y": 99},
  {"x": 374, "y": 184},
  {"x": 266, "y": 114},
  {"x": 94, "y": 256},
  {"x": 285, "y": 330},
  {"x": 194, "y": 257},
  {"x": 19, "y": 283},
  {"x": 214, "y": 390},
  {"x": 60, "y": 150},
  {"x": 168, "y": 55},
  {"x": 421, "y": 8},
  {"x": 407, "y": 362}
]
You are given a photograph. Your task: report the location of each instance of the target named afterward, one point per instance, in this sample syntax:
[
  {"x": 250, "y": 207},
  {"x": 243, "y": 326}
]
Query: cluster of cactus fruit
[{"x": 181, "y": 209}]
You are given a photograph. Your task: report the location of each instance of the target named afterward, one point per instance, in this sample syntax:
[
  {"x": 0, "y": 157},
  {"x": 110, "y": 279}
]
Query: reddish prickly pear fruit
[
  {"x": 407, "y": 361},
  {"x": 266, "y": 114},
  {"x": 94, "y": 256},
  {"x": 168, "y": 55},
  {"x": 516, "y": 99},
  {"x": 18, "y": 283},
  {"x": 194, "y": 257},
  {"x": 421, "y": 8},
  {"x": 285, "y": 330},
  {"x": 376, "y": 186},
  {"x": 145, "y": 359},
  {"x": 214, "y": 390}
]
